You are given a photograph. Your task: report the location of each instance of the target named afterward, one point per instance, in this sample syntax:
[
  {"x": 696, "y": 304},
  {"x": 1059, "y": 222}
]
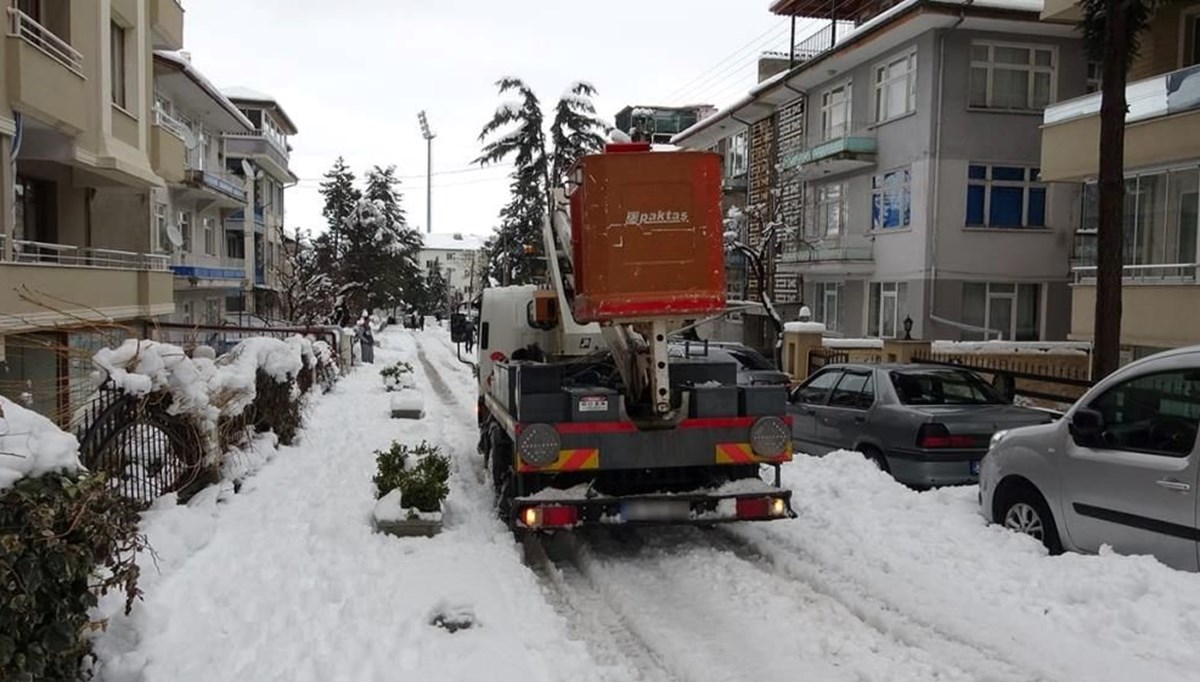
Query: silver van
[{"x": 1122, "y": 468}]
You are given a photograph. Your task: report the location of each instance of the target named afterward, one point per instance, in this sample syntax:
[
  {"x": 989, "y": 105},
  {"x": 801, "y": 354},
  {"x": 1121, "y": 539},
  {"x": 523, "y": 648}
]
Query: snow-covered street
[{"x": 287, "y": 580}]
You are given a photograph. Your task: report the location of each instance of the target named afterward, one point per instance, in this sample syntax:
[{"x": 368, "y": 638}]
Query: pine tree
[
  {"x": 402, "y": 243},
  {"x": 518, "y": 235},
  {"x": 341, "y": 196},
  {"x": 576, "y": 130},
  {"x": 436, "y": 291}
]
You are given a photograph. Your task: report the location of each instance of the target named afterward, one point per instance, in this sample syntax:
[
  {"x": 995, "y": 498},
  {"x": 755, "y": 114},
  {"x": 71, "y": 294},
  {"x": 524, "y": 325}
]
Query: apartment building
[
  {"x": 191, "y": 118},
  {"x": 903, "y": 162},
  {"x": 1161, "y": 289},
  {"x": 460, "y": 258},
  {"x": 76, "y": 179},
  {"x": 261, "y": 155}
]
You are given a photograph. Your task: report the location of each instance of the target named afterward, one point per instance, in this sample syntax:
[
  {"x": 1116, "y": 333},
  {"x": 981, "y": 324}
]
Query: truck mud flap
[{"x": 561, "y": 511}]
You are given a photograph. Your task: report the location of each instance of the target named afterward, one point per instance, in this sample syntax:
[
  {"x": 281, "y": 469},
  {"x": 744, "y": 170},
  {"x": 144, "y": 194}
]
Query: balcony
[
  {"x": 234, "y": 223},
  {"x": 1151, "y": 300},
  {"x": 820, "y": 258},
  {"x": 166, "y": 18},
  {"x": 843, "y": 149},
  {"x": 45, "y": 74},
  {"x": 262, "y": 149},
  {"x": 63, "y": 285},
  {"x": 168, "y": 152},
  {"x": 228, "y": 187},
  {"x": 1162, "y": 126}
]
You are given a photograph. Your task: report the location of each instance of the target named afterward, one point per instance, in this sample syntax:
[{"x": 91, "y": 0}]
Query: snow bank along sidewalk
[
  {"x": 287, "y": 579},
  {"x": 926, "y": 567}
]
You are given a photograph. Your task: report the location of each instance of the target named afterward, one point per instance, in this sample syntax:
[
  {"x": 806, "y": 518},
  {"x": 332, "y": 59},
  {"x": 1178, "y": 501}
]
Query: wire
[
  {"x": 734, "y": 70},
  {"x": 421, "y": 176},
  {"x": 736, "y": 54}
]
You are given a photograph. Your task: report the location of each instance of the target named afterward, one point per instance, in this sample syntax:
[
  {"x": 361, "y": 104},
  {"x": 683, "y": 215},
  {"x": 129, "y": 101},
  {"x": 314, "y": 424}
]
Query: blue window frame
[
  {"x": 891, "y": 200},
  {"x": 1005, "y": 196}
]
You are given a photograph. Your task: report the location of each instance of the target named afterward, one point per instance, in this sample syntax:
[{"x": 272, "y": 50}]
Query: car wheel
[
  {"x": 875, "y": 455},
  {"x": 1024, "y": 511}
]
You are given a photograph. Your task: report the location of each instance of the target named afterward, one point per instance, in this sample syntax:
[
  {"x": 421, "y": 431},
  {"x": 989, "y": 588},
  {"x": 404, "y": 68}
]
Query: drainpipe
[
  {"x": 10, "y": 189},
  {"x": 937, "y": 164}
]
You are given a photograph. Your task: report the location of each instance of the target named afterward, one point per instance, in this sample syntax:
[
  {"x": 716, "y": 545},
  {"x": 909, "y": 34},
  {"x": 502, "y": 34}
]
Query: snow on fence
[{"x": 163, "y": 416}]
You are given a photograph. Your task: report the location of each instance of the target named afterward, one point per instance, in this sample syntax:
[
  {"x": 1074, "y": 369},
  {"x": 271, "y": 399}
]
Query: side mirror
[{"x": 1087, "y": 427}]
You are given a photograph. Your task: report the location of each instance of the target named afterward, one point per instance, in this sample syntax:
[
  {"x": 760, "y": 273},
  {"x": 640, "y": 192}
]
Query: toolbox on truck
[
  {"x": 762, "y": 401},
  {"x": 647, "y": 235},
  {"x": 593, "y": 404}
]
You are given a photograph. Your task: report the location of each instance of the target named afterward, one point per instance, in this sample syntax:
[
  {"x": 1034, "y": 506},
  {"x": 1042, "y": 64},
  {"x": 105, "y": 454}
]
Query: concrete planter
[{"x": 393, "y": 518}]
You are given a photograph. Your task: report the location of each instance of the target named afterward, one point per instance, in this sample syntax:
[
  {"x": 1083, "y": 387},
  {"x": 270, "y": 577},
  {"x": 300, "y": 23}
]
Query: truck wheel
[{"x": 500, "y": 456}]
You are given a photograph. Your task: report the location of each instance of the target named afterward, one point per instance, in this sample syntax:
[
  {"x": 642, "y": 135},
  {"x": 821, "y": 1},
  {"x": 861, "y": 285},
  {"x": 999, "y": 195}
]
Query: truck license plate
[
  {"x": 655, "y": 510},
  {"x": 593, "y": 403}
]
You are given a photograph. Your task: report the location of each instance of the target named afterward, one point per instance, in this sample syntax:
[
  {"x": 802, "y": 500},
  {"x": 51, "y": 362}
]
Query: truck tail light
[
  {"x": 550, "y": 516},
  {"x": 761, "y": 507},
  {"x": 937, "y": 436}
]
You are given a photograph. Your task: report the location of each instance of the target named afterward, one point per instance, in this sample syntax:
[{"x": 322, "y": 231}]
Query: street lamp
[{"x": 428, "y": 135}]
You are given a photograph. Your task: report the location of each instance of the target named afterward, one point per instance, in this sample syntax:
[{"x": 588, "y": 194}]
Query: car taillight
[{"x": 937, "y": 436}]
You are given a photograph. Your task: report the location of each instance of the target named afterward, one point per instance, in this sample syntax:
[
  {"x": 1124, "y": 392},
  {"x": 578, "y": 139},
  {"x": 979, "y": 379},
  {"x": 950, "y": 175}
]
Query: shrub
[
  {"x": 393, "y": 374},
  {"x": 64, "y": 542},
  {"x": 423, "y": 485},
  {"x": 276, "y": 408}
]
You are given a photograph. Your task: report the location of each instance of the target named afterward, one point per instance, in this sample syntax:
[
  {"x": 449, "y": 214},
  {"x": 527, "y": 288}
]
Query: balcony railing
[
  {"x": 1150, "y": 98},
  {"x": 46, "y": 253},
  {"x": 218, "y": 181},
  {"x": 1151, "y": 273},
  {"x": 830, "y": 254},
  {"x": 23, "y": 26},
  {"x": 170, "y": 124},
  {"x": 847, "y": 140}
]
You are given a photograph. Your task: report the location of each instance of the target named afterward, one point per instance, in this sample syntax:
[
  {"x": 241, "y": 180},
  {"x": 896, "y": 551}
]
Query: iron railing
[
  {"x": 1149, "y": 273},
  {"x": 46, "y": 253},
  {"x": 25, "y": 27},
  {"x": 170, "y": 124}
]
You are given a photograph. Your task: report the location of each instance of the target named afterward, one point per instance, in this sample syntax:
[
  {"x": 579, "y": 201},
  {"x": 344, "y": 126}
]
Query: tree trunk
[{"x": 1110, "y": 231}]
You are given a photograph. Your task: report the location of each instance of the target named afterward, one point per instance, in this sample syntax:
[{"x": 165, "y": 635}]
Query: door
[
  {"x": 840, "y": 424},
  {"x": 1000, "y": 309},
  {"x": 807, "y": 399},
  {"x": 1134, "y": 488}
]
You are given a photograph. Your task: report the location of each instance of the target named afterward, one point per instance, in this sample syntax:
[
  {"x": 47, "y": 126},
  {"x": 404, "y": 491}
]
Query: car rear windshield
[
  {"x": 943, "y": 387},
  {"x": 751, "y": 359}
]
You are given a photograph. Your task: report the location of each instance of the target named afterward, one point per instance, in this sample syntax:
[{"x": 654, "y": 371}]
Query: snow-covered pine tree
[
  {"x": 517, "y": 131},
  {"x": 436, "y": 291},
  {"x": 341, "y": 196},
  {"x": 402, "y": 276},
  {"x": 576, "y": 130}
]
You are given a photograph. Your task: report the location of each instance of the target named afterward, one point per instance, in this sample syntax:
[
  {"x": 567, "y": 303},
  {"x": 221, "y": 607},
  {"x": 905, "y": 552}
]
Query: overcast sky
[{"x": 354, "y": 74}]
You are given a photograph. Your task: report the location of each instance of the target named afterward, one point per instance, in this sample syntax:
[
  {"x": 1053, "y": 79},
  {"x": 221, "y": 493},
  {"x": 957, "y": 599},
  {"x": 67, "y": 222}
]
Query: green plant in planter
[
  {"x": 395, "y": 371},
  {"x": 423, "y": 485}
]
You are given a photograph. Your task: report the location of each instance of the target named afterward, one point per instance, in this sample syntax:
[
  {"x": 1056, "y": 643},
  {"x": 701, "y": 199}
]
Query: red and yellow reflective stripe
[
  {"x": 743, "y": 453},
  {"x": 568, "y": 460}
]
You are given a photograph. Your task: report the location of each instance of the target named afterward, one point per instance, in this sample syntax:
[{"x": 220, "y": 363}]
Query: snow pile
[
  {"x": 804, "y": 328},
  {"x": 140, "y": 367},
  {"x": 853, "y": 344},
  {"x": 991, "y": 597},
  {"x": 240, "y": 463},
  {"x": 31, "y": 445},
  {"x": 1012, "y": 347}
]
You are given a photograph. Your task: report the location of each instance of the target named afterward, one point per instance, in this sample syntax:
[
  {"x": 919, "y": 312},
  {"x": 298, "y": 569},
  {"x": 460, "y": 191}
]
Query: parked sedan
[
  {"x": 927, "y": 425},
  {"x": 1120, "y": 469}
]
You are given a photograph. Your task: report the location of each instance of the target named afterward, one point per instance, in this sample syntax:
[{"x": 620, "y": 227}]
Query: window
[
  {"x": 212, "y": 311},
  {"x": 235, "y": 244},
  {"x": 1005, "y": 196},
  {"x": 185, "y": 229},
  {"x": 835, "y": 112},
  {"x": 1012, "y": 311},
  {"x": 736, "y": 156},
  {"x": 827, "y": 310},
  {"x": 1015, "y": 77},
  {"x": 891, "y": 200},
  {"x": 188, "y": 316},
  {"x": 942, "y": 387},
  {"x": 1162, "y": 221},
  {"x": 896, "y": 87},
  {"x": 1154, "y": 413},
  {"x": 856, "y": 391},
  {"x": 817, "y": 389},
  {"x": 888, "y": 305},
  {"x": 830, "y": 201},
  {"x": 34, "y": 208},
  {"x": 117, "y": 65},
  {"x": 33, "y": 8},
  {"x": 1093, "y": 77},
  {"x": 210, "y": 236},
  {"x": 1191, "y": 37},
  {"x": 160, "y": 227}
]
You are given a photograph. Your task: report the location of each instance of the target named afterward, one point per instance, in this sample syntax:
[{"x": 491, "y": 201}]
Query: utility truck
[{"x": 584, "y": 416}]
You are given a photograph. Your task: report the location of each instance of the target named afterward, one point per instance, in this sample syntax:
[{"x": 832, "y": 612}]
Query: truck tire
[{"x": 500, "y": 457}]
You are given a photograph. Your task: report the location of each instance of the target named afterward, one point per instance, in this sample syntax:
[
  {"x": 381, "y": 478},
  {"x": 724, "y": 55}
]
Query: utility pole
[{"x": 425, "y": 132}]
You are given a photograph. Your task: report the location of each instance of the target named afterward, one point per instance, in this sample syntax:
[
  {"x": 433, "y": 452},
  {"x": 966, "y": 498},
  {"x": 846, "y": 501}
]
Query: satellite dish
[
  {"x": 189, "y": 139},
  {"x": 174, "y": 235}
]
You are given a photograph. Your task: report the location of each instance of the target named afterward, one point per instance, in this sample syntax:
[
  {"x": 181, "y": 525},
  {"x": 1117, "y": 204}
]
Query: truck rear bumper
[{"x": 567, "y": 509}]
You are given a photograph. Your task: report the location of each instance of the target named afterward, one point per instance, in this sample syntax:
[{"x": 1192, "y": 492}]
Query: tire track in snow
[{"x": 793, "y": 561}]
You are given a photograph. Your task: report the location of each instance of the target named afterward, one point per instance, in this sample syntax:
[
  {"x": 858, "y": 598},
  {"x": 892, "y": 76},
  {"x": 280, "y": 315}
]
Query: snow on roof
[
  {"x": 457, "y": 241},
  {"x": 247, "y": 94},
  {"x": 184, "y": 64}
]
